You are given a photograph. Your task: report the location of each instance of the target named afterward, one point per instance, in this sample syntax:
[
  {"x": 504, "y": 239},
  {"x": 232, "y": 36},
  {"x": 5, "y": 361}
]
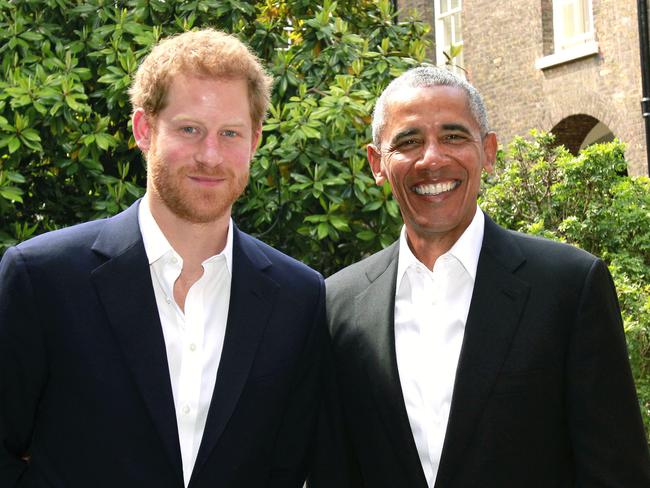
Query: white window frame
[
  {"x": 579, "y": 46},
  {"x": 442, "y": 44},
  {"x": 583, "y": 35}
]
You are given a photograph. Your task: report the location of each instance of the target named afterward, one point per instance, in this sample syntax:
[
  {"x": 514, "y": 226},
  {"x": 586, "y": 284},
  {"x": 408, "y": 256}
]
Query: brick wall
[{"x": 502, "y": 41}]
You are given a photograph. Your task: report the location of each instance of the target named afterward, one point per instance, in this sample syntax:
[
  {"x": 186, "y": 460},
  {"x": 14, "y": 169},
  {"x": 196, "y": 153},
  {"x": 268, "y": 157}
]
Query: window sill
[{"x": 577, "y": 52}]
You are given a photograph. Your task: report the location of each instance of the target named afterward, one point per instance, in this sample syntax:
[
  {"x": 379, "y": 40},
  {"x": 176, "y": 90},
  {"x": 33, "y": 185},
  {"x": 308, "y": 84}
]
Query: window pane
[
  {"x": 568, "y": 14},
  {"x": 448, "y": 38},
  {"x": 572, "y": 23},
  {"x": 444, "y": 6},
  {"x": 457, "y": 37}
]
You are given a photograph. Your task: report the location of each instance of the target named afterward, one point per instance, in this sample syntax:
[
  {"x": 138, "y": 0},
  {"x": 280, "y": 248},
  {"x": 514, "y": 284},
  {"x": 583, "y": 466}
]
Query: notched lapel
[
  {"x": 497, "y": 303},
  {"x": 374, "y": 309},
  {"x": 252, "y": 295},
  {"x": 124, "y": 287}
]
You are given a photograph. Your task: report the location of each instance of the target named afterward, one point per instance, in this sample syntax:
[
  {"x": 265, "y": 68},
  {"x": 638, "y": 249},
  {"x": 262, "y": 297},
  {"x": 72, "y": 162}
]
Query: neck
[
  {"x": 194, "y": 242},
  {"x": 428, "y": 245},
  {"x": 428, "y": 249}
]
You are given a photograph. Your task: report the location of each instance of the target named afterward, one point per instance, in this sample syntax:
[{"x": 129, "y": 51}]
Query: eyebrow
[
  {"x": 404, "y": 133},
  {"x": 457, "y": 127},
  {"x": 183, "y": 118}
]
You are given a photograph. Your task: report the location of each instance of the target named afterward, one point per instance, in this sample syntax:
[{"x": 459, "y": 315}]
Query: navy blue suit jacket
[{"x": 85, "y": 391}]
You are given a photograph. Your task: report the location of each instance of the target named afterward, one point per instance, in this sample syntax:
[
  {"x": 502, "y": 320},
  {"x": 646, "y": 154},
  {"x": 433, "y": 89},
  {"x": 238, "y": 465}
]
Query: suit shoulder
[
  {"x": 554, "y": 264},
  {"x": 553, "y": 253},
  {"x": 62, "y": 243},
  {"x": 356, "y": 275}
]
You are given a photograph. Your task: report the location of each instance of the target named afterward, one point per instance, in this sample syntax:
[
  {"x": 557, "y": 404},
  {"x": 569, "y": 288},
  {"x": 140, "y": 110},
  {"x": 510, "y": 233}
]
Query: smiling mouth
[
  {"x": 206, "y": 179},
  {"x": 434, "y": 189}
]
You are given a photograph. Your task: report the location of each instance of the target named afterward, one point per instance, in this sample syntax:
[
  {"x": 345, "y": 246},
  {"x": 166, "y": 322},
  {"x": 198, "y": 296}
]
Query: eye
[
  {"x": 189, "y": 130},
  {"x": 230, "y": 133},
  {"x": 407, "y": 143},
  {"x": 454, "y": 138}
]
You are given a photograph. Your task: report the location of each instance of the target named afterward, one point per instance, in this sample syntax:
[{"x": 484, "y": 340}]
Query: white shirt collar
[
  {"x": 156, "y": 244},
  {"x": 466, "y": 249}
]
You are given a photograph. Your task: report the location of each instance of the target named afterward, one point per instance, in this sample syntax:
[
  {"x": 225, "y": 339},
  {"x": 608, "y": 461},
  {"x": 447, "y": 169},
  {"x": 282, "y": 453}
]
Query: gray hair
[{"x": 423, "y": 77}]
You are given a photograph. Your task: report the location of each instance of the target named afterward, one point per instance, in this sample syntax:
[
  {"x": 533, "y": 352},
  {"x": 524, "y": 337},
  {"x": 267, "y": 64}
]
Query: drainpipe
[
  {"x": 644, "y": 45},
  {"x": 395, "y": 5}
]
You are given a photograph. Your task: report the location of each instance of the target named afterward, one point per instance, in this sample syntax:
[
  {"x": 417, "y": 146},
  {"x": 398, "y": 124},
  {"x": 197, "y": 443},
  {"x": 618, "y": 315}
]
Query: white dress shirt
[
  {"x": 194, "y": 339},
  {"x": 431, "y": 310}
]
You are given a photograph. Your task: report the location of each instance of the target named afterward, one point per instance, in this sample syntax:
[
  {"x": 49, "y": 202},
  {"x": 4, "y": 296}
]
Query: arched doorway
[
  {"x": 579, "y": 131},
  {"x": 599, "y": 134}
]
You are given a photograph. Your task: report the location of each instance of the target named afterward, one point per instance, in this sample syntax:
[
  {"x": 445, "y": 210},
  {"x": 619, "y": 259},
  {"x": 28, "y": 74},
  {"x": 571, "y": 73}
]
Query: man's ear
[
  {"x": 490, "y": 146},
  {"x": 142, "y": 130},
  {"x": 374, "y": 158},
  {"x": 257, "y": 135}
]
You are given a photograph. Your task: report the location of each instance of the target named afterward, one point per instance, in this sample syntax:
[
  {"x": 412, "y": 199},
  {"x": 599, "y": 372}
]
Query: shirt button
[
  {"x": 168, "y": 300},
  {"x": 185, "y": 409},
  {"x": 174, "y": 260},
  {"x": 192, "y": 347}
]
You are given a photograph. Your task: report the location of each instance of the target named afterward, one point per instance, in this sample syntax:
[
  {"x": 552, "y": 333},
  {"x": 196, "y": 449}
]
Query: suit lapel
[
  {"x": 497, "y": 303},
  {"x": 124, "y": 287},
  {"x": 374, "y": 309},
  {"x": 252, "y": 296}
]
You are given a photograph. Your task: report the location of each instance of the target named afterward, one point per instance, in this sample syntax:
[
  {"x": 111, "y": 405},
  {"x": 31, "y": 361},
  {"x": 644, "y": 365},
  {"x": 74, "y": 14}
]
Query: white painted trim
[
  {"x": 441, "y": 41},
  {"x": 575, "y": 52}
]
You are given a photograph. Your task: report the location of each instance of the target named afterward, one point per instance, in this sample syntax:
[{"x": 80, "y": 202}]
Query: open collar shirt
[
  {"x": 193, "y": 338},
  {"x": 431, "y": 308}
]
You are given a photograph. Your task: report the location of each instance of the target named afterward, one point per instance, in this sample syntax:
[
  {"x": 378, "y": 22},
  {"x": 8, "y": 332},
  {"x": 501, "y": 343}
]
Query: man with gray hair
[{"x": 468, "y": 355}]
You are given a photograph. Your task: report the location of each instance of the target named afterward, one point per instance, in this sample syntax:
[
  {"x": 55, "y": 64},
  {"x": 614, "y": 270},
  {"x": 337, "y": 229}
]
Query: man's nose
[
  {"x": 435, "y": 154},
  {"x": 209, "y": 151}
]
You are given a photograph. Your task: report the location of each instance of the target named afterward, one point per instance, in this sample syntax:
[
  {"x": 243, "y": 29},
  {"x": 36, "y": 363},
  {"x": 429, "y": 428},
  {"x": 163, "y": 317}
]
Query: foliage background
[
  {"x": 66, "y": 148},
  {"x": 67, "y": 154}
]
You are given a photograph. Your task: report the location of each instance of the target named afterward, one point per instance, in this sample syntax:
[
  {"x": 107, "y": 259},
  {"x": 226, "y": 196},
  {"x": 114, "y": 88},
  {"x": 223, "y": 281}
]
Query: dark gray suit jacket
[
  {"x": 84, "y": 381},
  {"x": 543, "y": 394}
]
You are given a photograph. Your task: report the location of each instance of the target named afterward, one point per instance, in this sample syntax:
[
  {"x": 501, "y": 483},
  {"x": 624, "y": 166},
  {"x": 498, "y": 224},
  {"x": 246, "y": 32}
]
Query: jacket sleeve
[
  {"x": 333, "y": 463},
  {"x": 292, "y": 448},
  {"x": 23, "y": 369},
  {"x": 607, "y": 434}
]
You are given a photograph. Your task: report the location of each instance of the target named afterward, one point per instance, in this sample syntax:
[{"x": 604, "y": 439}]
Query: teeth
[{"x": 435, "y": 189}]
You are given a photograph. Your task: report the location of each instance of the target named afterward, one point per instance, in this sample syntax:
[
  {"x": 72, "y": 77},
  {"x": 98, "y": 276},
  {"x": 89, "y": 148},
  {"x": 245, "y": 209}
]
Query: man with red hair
[{"x": 164, "y": 347}]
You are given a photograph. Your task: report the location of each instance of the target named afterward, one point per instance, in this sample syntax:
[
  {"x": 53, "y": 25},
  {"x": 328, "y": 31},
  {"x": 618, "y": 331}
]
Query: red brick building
[{"x": 571, "y": 67}]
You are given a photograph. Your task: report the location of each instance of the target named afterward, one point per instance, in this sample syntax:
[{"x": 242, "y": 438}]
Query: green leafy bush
[
  {"x": 67, "y": 154},
  {"x": 589, "y": 202}
]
